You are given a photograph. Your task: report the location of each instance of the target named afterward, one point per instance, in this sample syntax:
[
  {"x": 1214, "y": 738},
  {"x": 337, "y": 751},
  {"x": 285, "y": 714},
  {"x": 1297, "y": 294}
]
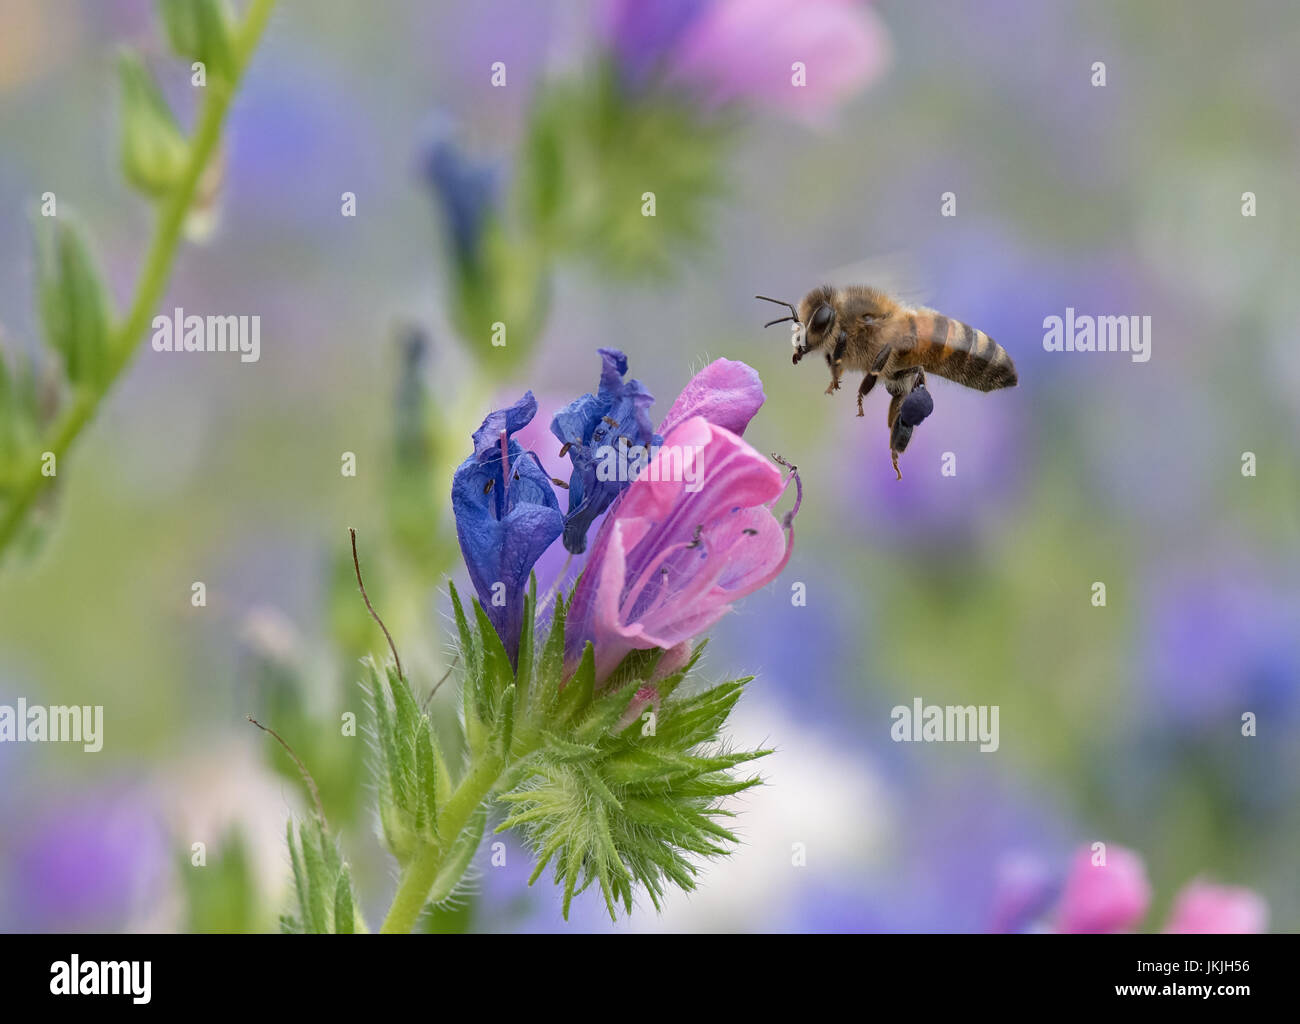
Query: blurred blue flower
[
  {"x": 506, "y": 516},
  {"x": 591, "y": 427},
  {"x": 467, "y": 191},
  {"x": 1220, "y": 640},
  {"x": 950, "y": 871},
  {"x": 506, "y": 902}
]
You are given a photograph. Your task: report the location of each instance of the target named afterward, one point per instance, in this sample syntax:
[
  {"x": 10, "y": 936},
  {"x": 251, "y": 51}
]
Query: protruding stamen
[
  {"x": 505, "y": 460},
  {"x": 788, "y": 521}
]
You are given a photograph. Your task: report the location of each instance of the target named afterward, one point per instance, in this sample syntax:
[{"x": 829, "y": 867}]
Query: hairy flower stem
[
  {"x": 124, "y": 340},
  {"x": 419, "y": 875}
]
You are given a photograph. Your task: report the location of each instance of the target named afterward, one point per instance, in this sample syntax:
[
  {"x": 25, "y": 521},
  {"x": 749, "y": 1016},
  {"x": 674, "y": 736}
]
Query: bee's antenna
[{"x": 794, "y": 313}]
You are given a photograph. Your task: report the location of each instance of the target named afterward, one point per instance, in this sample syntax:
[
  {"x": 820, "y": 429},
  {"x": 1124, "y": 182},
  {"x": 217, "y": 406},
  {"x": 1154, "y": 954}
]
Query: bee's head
[{"x": 811, "y": 323}]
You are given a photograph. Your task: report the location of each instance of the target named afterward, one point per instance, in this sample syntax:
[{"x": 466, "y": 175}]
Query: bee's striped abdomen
[{"x": 957, "y": 351}]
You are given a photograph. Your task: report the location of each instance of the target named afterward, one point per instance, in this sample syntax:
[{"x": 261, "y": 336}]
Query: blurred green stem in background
[{"x": 174, "y": 208}]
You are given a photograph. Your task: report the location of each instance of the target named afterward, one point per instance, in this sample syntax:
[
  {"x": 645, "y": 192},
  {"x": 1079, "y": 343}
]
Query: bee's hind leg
[{"x": 899, "y": 434}]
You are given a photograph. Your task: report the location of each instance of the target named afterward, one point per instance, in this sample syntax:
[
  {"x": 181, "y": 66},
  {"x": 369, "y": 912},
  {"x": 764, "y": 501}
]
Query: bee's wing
[{"x": 895, "y": 273}]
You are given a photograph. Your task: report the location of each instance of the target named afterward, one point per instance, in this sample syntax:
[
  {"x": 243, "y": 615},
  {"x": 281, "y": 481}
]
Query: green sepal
[{"x": 578, "y": 691}]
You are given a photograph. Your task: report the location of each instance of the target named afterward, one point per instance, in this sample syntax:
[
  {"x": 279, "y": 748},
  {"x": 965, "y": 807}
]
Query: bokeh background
[{"x": 1119, "y": 724}]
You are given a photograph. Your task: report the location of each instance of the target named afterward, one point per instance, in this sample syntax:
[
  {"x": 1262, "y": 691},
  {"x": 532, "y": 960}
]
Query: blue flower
[
  {"x": 506, "y": 516},
  {"x": 467, "y": 191},
  {"x": 597, "y": 430}
]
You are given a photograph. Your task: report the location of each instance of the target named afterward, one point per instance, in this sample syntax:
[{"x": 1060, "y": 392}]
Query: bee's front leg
[{"x": 835, "y": 360}]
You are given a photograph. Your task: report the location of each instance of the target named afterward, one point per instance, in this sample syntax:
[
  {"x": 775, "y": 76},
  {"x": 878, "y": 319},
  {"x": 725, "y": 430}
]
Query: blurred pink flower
[
  {"x": 744, "y": 50},
  {"x": 1110, "y": 897},
  {"x": 1114, "y": 898},
  {"x": 679, "y": 547},
  {"x": 1202, "y": 908}
]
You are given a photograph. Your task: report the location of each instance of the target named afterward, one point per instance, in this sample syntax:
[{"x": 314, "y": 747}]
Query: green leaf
[
  {"x": 154, "y": 152},
  {"x": 317, "y": 873},
  {"x": 427, "y": 765},
  {"x": 344, "y": 918},
  {"x": 410, "y": 773},
  {"x": 75, "y": 307},
  {"x": 322, "y": 882},
  {"x": 300, "y": 879}
]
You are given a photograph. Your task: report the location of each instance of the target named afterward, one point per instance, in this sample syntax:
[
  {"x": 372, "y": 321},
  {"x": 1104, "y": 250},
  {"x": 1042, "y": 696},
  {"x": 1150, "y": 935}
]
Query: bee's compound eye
[{"x": 822, "y": 318}]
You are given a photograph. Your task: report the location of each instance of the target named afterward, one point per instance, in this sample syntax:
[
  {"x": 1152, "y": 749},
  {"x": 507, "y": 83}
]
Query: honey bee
[{"x": 861, "y": 328}]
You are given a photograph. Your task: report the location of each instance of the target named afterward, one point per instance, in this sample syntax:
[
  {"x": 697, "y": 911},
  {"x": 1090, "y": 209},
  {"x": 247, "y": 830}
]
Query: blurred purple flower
[
  {"x": 1202, "y": 908},
  {"x": 643, "y": 35},
  {"x": 1025, "y": 888},
  {"x": 88, "y": 865},
  {"x": 590, "y": 427},
  {"x": 1103, "y": 898},
  {"x": 743, "y": 50},
  {"x": 506, "y": 516}
]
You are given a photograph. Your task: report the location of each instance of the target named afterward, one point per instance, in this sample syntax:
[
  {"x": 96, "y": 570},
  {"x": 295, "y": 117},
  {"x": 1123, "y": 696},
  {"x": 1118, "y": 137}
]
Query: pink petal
[{"x": 726, "y": 393}]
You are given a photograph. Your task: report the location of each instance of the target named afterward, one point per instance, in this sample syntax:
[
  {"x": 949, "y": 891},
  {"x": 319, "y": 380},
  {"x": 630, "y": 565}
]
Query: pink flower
[
  {"x": 1111, "y": 897},
  {"x": 1202, "y": 908},
  {"x": 692, "y": 534}
]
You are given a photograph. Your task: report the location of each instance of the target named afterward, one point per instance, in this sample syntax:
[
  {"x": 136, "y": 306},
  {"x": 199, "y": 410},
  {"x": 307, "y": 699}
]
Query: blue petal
[
  {"x": 618, "y": 410},
  {"x": 503, "y": 525}
]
